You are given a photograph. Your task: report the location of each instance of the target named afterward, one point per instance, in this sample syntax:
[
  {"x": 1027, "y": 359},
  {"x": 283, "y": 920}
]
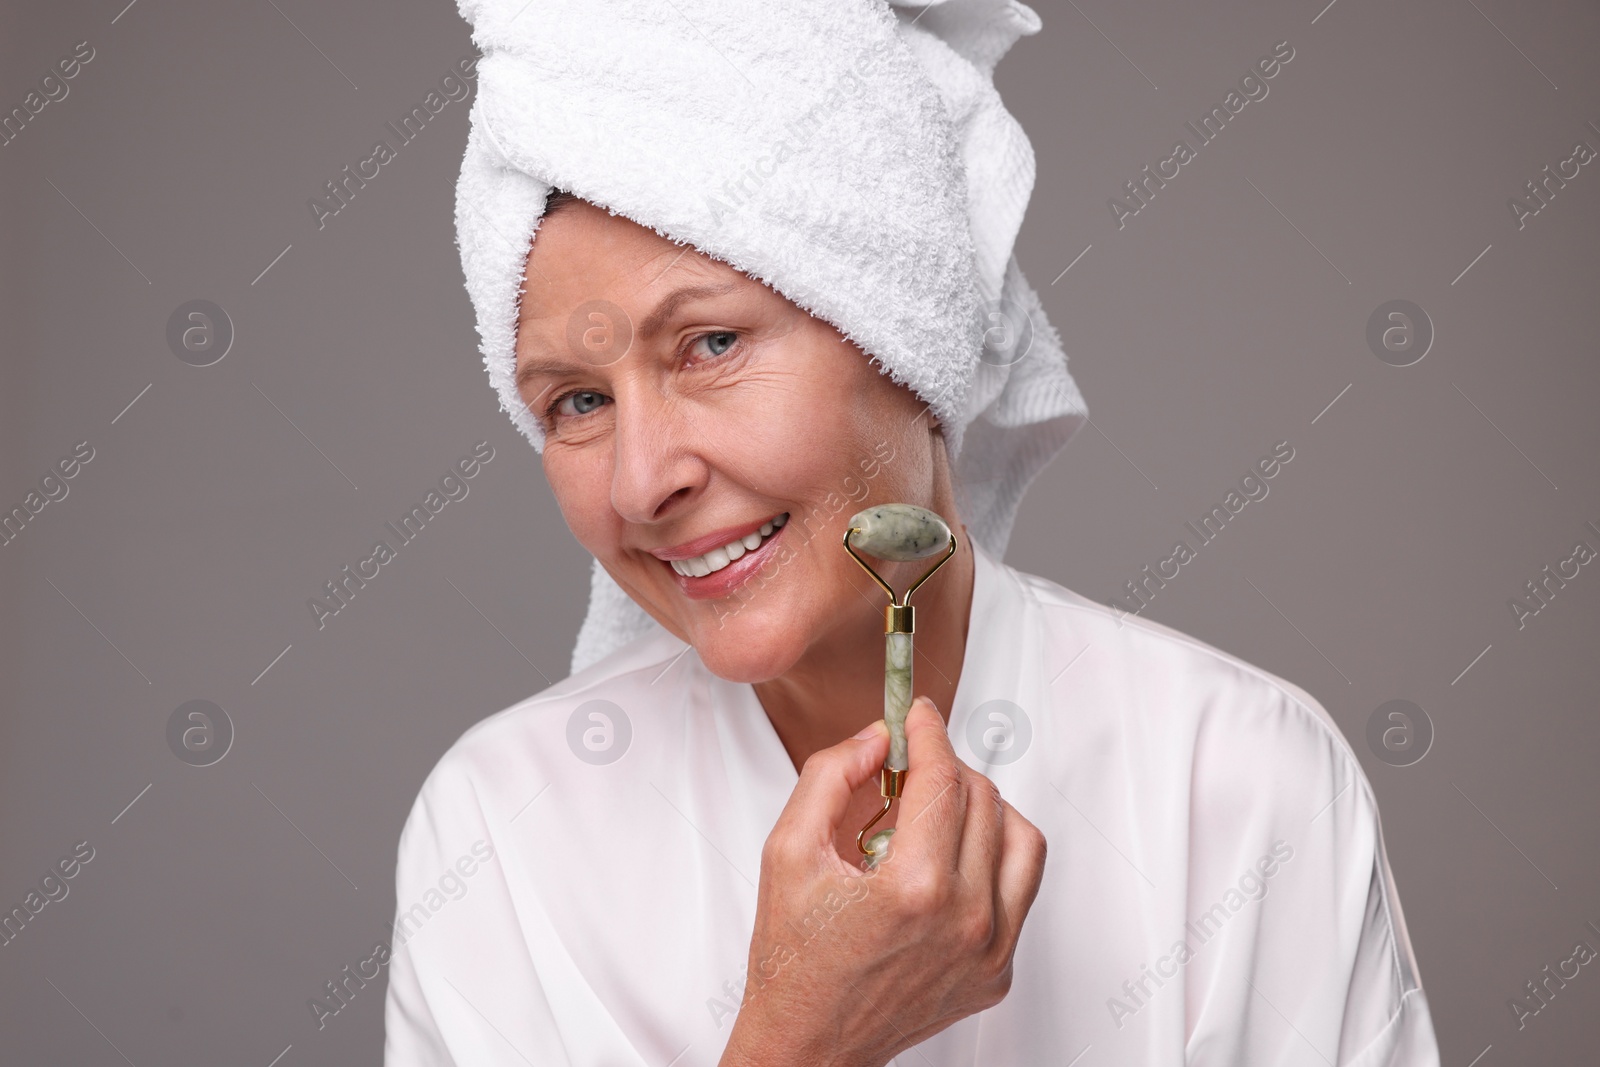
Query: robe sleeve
[
  {"x": 463, "y": 988},
  {"x": 1301, "y": 954}
]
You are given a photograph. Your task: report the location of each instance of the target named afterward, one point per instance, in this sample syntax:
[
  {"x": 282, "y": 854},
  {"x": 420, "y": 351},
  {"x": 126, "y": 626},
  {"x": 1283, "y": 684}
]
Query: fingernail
[{"x": 872, "y": 728}]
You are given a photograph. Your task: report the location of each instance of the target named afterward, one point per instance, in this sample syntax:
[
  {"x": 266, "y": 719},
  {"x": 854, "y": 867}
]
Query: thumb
[
  {"x": 927, "y": 735},
  {"x": 933, "y": 762},
  {"x": 830, "y": 778}
]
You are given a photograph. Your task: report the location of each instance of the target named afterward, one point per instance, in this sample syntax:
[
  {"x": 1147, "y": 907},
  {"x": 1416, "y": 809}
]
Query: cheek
[
  {"x": 583, "y": 493},
  {"x": 841, "y": 443},
  {"x": 775, "y": 436},
  {"x": 791, "y": 440}
]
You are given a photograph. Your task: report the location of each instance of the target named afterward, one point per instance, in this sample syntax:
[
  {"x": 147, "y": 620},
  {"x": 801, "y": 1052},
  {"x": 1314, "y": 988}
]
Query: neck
[{"x": 836, "y": 689}]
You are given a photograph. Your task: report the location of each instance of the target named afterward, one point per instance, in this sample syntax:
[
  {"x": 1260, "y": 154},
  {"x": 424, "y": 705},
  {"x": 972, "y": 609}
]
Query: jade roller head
[{"x": 897, "y": 533}]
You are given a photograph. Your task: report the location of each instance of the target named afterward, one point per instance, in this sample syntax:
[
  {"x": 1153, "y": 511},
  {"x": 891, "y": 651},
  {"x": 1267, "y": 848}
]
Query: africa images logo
[
  {"x": 1250, "y": 886},
  {"x": 453, "y": 486}
]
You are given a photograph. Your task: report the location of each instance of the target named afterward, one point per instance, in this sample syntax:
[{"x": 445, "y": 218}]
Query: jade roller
[{"x": 899, "y": 533}]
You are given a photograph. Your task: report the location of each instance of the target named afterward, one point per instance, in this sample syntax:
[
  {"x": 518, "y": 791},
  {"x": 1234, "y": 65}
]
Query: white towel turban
[{"x": 850, "y": 154}]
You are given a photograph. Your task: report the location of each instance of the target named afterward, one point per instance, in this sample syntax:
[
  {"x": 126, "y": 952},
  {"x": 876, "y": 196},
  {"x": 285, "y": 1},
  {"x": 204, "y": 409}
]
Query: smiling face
[{"x": 688, "y": 407}]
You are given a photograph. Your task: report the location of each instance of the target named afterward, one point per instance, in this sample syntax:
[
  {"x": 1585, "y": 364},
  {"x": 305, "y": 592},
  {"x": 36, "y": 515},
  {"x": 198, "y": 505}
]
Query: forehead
[{"x": 583, "y": 253}]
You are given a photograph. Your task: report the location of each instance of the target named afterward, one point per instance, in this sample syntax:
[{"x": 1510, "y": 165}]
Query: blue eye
[
  {"x": 718, "y": 343},
  {"x": 581, "y": 399}
]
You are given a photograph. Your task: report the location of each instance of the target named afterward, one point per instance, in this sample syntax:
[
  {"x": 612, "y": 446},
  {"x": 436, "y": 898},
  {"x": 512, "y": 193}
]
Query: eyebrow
[{"x": 651, "y": 325}]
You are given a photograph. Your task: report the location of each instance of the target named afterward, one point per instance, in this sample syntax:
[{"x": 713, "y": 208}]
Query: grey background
[{"x": 1225, "y": 317}]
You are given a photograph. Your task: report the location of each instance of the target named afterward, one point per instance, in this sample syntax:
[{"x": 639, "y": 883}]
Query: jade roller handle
[{"x": 896, "y": 696}]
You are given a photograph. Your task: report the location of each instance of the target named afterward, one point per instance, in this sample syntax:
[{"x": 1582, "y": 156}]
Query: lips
[
  {"x": 715, "y": 539},
  {"x": 721, "y": 582}
]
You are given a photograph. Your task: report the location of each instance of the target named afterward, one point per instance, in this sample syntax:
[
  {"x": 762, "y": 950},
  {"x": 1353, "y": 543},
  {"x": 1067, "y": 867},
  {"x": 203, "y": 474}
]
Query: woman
[{"x": 653, "y": 861}]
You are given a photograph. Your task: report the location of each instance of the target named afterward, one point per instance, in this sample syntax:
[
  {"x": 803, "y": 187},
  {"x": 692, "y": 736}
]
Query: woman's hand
[{"x": 851, "y": 967}]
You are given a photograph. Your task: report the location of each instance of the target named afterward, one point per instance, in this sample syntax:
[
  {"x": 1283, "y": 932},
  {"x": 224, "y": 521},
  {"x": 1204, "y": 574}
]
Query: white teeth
[{"x": 718, "y": 558}]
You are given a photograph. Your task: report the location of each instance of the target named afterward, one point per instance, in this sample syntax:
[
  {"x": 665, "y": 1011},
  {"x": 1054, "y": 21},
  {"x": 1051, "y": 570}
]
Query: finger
[
  {"x": 1022, "y": 858},
  {"x": 982, "y": 838},
  {"x": 934, "y": 800},
  {"x": 828, "y": 780},
  {"x": 927, "y": 745}
]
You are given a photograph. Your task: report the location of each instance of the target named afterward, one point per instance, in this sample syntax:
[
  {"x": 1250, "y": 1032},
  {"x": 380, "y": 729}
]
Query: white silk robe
[{"x": 1216, "y": 891}]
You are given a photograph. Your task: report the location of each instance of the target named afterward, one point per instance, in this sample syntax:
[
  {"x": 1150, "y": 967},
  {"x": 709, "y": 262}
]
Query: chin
[{"x": 750, "y": 647}]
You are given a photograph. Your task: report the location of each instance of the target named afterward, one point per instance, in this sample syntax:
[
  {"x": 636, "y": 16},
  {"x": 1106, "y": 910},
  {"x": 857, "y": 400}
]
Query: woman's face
[{"x": 687, "y": 407}]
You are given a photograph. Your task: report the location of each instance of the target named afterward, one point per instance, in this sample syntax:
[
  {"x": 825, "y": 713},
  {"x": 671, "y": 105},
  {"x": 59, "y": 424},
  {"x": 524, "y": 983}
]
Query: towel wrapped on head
[{"x": 852, "y": 154}]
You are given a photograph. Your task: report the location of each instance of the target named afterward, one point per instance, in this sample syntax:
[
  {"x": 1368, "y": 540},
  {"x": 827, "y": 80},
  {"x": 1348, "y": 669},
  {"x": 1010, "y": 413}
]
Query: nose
[{"x": 656, "y": 462}]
